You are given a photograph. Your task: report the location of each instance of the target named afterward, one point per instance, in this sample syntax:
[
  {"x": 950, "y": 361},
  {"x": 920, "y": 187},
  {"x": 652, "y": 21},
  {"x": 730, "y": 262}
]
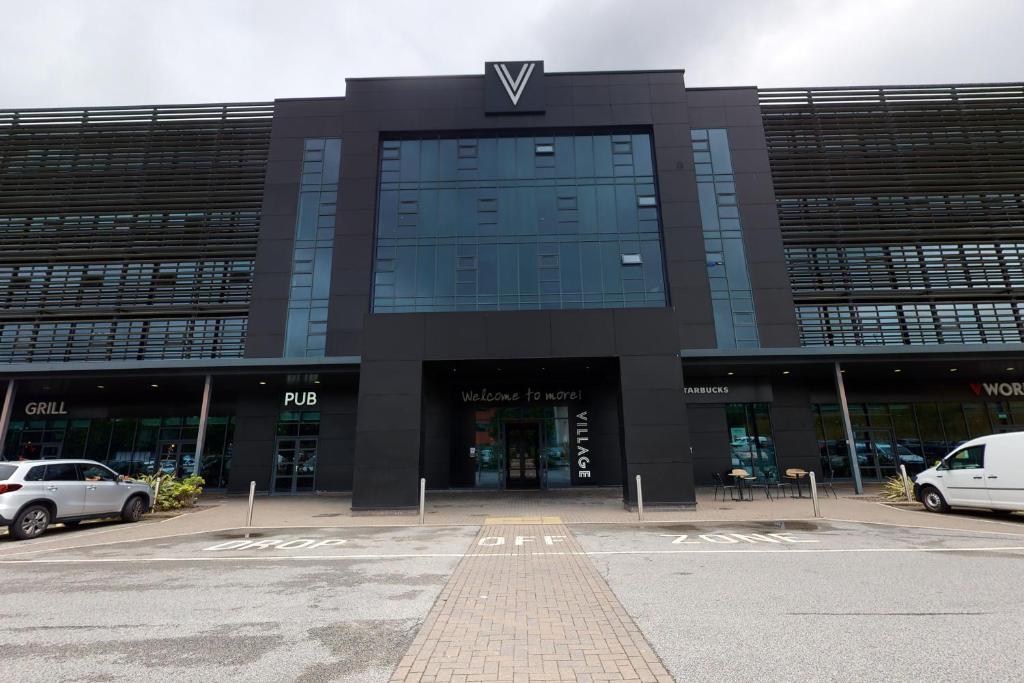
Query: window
[
  {"x": 972, "y": 458},
  {"x": 751, "y": 443},
  {"x": 534, "y": 222},
  {"x": 6, "y": 471},
  {"x": 731, "y": 291},
  {"x": 310, "y": 287},
  {"x": 97, "y": 473},
  {"x": 35, "y": 473},
  {"x": 61, "y": 472}
]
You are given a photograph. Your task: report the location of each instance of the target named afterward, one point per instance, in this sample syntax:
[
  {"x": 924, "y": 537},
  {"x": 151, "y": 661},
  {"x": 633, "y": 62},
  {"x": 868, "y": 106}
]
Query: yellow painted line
[{"x": 494, "y": 521}]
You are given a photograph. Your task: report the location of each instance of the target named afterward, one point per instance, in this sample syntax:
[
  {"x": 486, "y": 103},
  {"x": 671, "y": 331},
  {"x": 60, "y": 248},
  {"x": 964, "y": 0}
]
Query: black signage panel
[{"x": 514, "y": 87}]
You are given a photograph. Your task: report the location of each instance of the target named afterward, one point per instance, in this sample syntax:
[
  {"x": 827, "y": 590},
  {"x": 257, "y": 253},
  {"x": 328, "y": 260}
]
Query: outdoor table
[{"x": 797, "y": 476}]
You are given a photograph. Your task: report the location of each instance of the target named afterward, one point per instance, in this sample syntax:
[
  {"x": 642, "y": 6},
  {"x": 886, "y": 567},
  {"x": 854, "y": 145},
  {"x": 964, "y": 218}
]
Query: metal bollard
[
  {"x": 423, "y": 500},
  {"x": 907, "y": 488},
  {"x": 814, "y": 494},
  {"x": 252, "y": 499},
  {"x": 639, "y": 499}
]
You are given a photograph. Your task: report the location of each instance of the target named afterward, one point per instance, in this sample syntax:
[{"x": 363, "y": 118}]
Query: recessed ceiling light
[
  {"x": 730, "y": 373},
  {"x": 785, "y": 372},
  {"x": 1010, "y": 369},
  {"x": 952, "y": 369},
  {"x": 263, "y": 381},
  {"x": 316, "y": 381},
  {"x": 100, "y": 386},
  {"x": 898, "y": 370},
  {"x": 155, "y": 386}
]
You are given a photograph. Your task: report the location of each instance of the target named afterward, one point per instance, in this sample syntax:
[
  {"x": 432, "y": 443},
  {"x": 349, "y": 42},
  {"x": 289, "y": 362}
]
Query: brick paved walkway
[{"x": 532, "y": 610}]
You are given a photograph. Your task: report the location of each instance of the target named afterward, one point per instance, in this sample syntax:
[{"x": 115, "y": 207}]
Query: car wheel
[
  {"x": 133, "y": 509},
  {"x": 30, "y": 522},
  {"x": 933, "y": 500}
]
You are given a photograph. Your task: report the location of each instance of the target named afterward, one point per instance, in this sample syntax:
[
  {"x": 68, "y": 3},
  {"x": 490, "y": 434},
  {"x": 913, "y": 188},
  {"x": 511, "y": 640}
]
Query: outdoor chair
[
  {"x": 743, "y": 479},
  {"x": 825, "y": 484},
  {"x": 762, "y": 482},
  {"x": 720, "y": 485},
  {"x": 772, "y": 481}
]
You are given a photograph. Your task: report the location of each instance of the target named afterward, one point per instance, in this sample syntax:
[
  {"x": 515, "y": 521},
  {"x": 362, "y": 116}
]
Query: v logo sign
[{"x": 514, "y": 86}]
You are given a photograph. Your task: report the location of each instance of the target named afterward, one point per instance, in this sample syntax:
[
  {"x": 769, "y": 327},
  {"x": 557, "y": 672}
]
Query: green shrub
[
  {"x": 174, "y": 493},
  {"x": 893, "y": 489}
]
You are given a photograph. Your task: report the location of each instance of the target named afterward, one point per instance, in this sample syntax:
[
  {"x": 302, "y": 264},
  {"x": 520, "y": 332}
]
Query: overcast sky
[{"x": 105, "y": 52}]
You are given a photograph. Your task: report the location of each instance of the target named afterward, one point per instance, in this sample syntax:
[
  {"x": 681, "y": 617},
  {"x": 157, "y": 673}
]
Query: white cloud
[{"x": 73, "y": 52}]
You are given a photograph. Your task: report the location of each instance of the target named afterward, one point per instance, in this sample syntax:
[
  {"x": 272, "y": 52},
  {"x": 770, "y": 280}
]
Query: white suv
[{"x": 37, "y": 493}]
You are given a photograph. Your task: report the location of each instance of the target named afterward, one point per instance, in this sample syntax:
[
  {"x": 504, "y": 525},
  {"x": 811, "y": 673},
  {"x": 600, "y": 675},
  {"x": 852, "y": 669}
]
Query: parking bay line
[{"x": 591, "y": 553}]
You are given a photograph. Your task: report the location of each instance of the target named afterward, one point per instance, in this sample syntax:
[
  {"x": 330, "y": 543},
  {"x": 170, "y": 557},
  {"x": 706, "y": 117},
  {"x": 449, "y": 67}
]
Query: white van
[{"x": 987, "y": 472}]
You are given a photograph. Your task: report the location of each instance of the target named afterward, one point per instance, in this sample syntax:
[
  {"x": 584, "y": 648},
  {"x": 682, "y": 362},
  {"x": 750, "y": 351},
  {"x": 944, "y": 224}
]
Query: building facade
[{"x": 514, "y": 280}]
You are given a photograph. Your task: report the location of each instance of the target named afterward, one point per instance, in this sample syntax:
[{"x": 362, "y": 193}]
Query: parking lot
[{"x": 778, "y": 600}]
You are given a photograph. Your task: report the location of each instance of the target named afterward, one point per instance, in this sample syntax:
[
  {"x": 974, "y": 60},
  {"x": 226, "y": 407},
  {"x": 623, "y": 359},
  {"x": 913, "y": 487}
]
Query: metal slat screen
[
  {"x": 129, "y": 233},
  {"x": 901, "y": 211}
]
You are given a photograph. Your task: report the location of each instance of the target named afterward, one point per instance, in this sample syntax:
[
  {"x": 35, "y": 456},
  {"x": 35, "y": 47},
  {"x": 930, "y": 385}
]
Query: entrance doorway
[
  {"x": 295, "y": 465},
  {"x": 522, "y": 447},
  {"x": 176, "y": 458},
  {"x": 878, "y": 454}
]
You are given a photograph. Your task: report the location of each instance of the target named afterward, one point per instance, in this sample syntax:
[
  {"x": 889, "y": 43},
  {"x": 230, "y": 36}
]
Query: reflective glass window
[
  {"x": 314, "y": 241},
  {"x": 532, "y": 222},
  {"x": 728, "y": 277}
]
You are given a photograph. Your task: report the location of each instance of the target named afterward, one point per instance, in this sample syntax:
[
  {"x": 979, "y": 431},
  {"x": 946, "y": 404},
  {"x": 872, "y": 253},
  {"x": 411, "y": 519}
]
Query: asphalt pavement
[
  {"x": 730, "y": 600},
  {"x": 151, "y": 610},
  {"x": 838, "y": 601}
]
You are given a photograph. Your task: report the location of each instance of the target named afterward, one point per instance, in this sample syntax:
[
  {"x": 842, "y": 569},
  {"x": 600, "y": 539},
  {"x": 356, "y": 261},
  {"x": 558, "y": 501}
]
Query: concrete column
[
  {"x": 5, "y": 415},
  {"x": 654, "y": 431},
  {"x": 851, "y": 442},
  {"x": 204, "y": 414},
  {"x": 388, "y": 466}
]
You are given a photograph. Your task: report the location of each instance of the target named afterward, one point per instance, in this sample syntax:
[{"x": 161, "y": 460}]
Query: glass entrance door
[
  {"x": 295, "y": 465},
  {"x": 176, "y": 458},
  {"x": 877, "y": 453},
  {"x": 522, "y": 455}
]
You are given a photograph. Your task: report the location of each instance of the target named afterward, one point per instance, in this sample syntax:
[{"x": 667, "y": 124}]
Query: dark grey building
[{"x": 514, "y": 280}]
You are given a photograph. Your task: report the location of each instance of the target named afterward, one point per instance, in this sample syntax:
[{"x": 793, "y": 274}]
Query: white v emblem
[{"x": 514, "y": 86}]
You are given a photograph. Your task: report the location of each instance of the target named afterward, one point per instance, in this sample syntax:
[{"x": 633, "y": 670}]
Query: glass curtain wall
[
  {"x": 525, "y": 222},
  {"x": 912, "y": 434},
  {"x": 310, "y": 286},
  {"x": 129, "y": 445}
]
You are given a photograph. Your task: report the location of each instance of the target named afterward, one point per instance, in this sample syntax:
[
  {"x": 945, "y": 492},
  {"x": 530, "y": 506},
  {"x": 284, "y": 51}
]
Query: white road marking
[
  {"x": 730, "y": 538},
  {"x": 931, "y": 528},
  {"x": 291, "y": 558},
  {"x": 183, "y": 533},
  {"x": 802, "y": 550}
]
